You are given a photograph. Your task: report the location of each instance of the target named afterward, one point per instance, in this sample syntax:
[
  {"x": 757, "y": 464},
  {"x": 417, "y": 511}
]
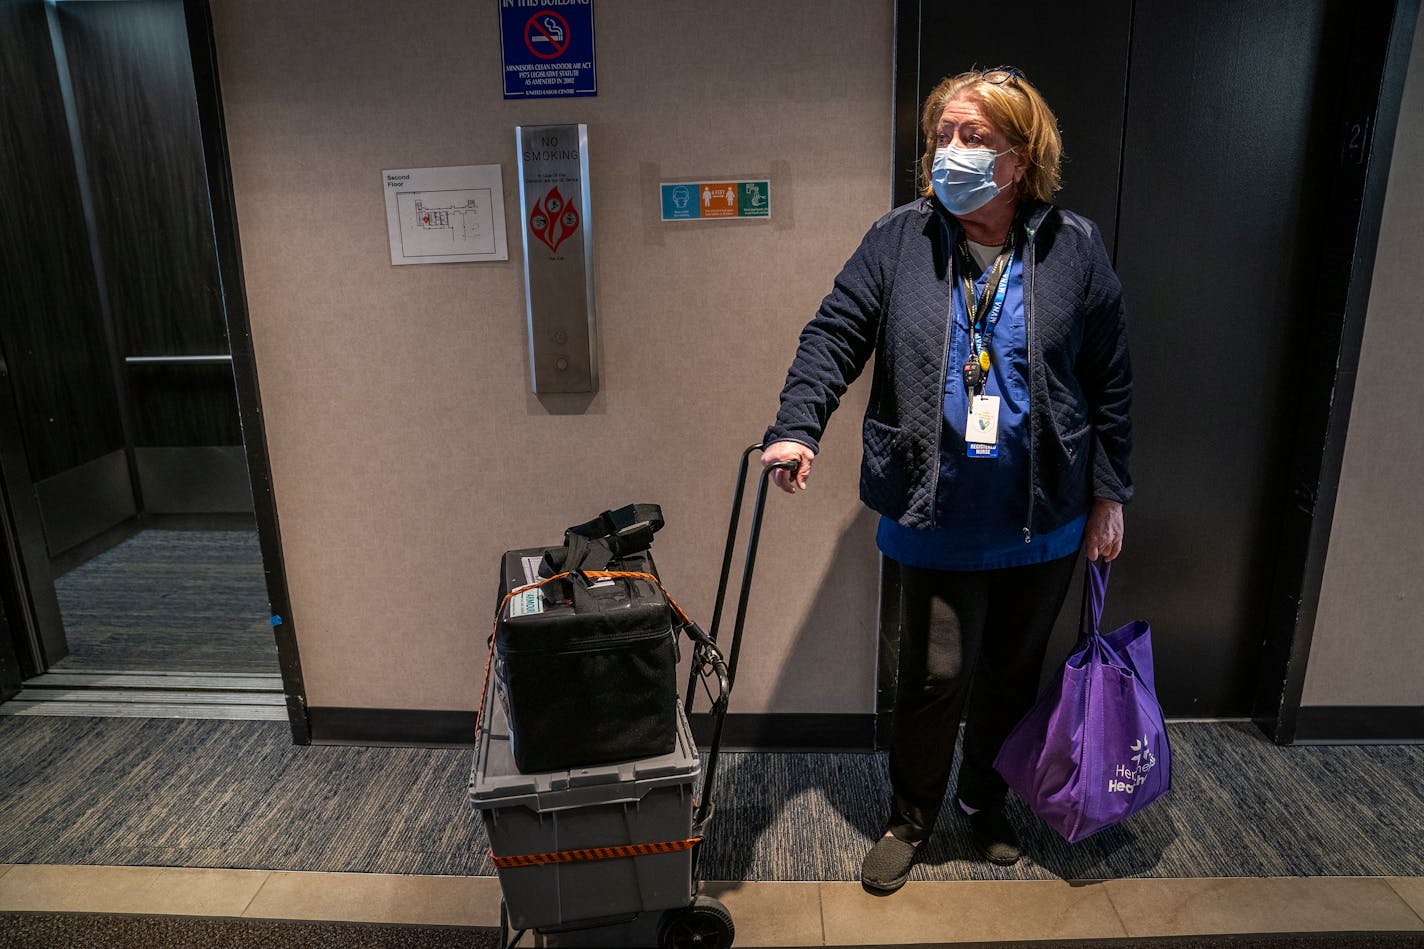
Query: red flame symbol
[{"x": 553, "y": 219}]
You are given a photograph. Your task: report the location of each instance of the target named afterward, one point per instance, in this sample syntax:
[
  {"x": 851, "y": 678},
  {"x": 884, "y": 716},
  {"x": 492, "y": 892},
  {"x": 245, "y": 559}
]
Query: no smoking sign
[
  {"x": 547, "y": 35},
  {"x": 548, "y": 48}
]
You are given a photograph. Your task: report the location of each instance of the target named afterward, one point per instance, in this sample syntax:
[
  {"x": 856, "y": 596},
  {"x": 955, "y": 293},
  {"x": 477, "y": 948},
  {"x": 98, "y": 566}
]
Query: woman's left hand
[{"x": 1103, "y": 535}]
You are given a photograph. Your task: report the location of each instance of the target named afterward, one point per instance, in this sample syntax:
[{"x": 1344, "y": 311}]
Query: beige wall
[
  {"x": 1368, "y": 647},
  {"x": 407, "y": 451}
]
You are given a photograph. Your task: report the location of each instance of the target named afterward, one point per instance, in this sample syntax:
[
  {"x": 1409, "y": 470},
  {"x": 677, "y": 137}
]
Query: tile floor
[{"x": 766, "y": 914}]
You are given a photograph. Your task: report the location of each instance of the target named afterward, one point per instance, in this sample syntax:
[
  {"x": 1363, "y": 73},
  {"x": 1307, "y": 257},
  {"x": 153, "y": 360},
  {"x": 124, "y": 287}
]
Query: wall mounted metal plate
[{"x": 558, "y": 257}]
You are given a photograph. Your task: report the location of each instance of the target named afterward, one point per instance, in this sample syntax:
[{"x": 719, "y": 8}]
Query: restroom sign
[
  {"x": 547, "y": 48},
  {"x": 710, "y": 200}
]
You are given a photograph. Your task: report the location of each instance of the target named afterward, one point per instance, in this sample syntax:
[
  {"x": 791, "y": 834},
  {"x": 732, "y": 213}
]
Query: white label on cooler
[{"x": 526, "y": 604}]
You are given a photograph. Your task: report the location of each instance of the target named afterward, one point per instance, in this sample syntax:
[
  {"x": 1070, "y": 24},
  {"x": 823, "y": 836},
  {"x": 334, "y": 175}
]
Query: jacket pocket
[
  {"x": 883, "y": 466},
  {"x": 882, "y": 445}
]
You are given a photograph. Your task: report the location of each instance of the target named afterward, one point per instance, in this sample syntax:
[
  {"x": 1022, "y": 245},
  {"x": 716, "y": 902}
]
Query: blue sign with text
[
  {"x": 680, "y": 202},
  {"x": 548, "y": 48}
]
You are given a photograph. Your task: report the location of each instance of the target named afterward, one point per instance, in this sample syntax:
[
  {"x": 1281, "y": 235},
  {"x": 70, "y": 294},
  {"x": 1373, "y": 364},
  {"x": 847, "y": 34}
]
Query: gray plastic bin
[{"x": 643, "y": 801}]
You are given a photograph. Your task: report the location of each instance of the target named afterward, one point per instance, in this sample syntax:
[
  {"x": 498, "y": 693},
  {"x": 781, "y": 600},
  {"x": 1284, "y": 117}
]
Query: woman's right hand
[{"x": 789, "y": 481}]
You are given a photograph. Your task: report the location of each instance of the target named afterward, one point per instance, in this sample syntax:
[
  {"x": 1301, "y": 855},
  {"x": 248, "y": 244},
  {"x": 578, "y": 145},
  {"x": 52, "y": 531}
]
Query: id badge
[{"x": 981, "y": 431}]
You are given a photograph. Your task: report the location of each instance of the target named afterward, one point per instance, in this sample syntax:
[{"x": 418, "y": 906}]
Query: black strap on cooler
[{"x": 610, "y": 536}]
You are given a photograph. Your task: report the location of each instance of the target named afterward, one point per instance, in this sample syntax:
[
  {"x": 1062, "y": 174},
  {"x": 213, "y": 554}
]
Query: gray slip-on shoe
[
  {"x": 887, "y": 866},
  {"x": 994, "y": 836}
]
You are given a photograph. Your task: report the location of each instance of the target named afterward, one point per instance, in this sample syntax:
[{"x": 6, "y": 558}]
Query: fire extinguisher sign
[{"x": 548, "y": 48}]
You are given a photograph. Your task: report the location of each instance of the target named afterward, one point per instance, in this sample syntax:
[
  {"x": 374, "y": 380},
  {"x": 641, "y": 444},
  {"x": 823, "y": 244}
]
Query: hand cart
[{"x": 601, "y": 846}]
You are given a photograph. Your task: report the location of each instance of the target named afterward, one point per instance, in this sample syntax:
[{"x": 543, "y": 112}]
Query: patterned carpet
[
  {"x": 176, "y": 601},
  {"x": 240, "y": 795}
]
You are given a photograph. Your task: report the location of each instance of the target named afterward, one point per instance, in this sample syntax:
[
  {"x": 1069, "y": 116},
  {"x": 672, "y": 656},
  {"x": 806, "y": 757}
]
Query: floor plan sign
[{"x": 445, "y": 215}]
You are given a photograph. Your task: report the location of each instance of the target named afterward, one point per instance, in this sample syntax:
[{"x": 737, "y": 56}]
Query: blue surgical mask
[{"x": 963, "y": 178}]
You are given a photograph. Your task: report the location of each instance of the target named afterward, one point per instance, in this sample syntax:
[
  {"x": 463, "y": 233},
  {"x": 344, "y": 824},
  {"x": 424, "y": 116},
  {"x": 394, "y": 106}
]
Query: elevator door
[
  {"x": 1190, "y": 136},
  {"x": 136, "y": 533}
]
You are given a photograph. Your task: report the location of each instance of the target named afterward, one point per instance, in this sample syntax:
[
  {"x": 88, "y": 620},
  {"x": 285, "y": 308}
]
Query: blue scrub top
[{"x": 982, "y": 503}]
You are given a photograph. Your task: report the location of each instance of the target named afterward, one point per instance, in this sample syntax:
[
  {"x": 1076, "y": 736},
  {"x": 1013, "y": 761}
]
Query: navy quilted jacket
[{"x": 892, "y": 299}]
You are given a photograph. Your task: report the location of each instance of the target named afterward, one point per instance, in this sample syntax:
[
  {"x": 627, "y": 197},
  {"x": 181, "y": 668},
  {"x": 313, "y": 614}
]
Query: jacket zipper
[
  {"x": 943, "y": 381},
  {"x": 1028, "y": 335}
]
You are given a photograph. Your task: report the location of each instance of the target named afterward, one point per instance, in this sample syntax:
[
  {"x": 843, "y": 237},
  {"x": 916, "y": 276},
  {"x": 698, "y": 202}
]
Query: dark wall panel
[
  {"x": 207, "y": 480},
  {"x": 10, "y": 675},
  {"x": 85, "y": 501},
  {"x": 26, "y": 582},
  {"x": 133, "y": 88},
  {"x": 1214, "y": 248},
  {"x": 178, "y": 405},
  {"x": 51, "y": 325}
]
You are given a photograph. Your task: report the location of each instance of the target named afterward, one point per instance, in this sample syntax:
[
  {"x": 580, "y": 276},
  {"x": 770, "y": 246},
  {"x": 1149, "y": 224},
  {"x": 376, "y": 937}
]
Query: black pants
[{"x": 987, "y": 627}]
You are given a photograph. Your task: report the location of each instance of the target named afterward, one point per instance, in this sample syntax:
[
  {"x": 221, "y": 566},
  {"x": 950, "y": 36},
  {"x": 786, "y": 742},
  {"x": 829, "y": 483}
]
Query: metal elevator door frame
[{"x": 202, "y": 47}]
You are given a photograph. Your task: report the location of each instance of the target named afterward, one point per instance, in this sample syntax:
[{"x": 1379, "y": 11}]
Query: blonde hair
[{"x": 1017, "y": 109}]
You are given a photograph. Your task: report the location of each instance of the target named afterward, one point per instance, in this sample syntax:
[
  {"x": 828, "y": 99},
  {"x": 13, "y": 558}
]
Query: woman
[{"x": 996, "y": 438}]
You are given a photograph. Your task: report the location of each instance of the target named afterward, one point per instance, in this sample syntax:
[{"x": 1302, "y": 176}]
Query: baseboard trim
[
  {"x": 207, "y": 479},
  {"x": 82, "y": 503},
  {"x": 390, "y": 726},
  {"x": 1359, "y": 724},
  {"x": 790, "y": 731},
  {"x": 82, "y": 553}
]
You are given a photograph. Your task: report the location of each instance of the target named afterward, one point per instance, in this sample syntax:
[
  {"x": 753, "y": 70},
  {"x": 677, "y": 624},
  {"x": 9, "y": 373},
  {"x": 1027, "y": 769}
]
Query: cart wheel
[{"x": 705, "y": 924}]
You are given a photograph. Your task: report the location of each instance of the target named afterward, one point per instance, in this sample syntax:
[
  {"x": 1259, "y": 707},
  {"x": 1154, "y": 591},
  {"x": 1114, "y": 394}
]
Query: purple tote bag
[{"x": 1093, "y": 750}]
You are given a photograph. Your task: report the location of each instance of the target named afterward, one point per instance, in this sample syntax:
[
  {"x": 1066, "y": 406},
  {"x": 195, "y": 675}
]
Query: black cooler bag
[{"x": 587, "y": 668}]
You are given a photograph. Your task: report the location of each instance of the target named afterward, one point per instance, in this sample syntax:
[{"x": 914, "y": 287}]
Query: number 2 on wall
[{"x": 1357, "y": 140}]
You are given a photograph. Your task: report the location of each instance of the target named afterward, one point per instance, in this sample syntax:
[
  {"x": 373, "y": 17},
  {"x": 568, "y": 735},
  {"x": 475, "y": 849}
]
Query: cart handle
[
  {"x": 743, "y": 598},
  {"x": 744, "y": 594},
  {"x": 731, "y": 544},
  {"x": 738, "y": 496}
]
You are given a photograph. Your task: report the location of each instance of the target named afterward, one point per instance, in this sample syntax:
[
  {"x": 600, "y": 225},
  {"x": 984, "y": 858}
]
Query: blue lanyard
[
  {"x": 985, "y": 331},
  {"x": 982, "y": 331}
]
